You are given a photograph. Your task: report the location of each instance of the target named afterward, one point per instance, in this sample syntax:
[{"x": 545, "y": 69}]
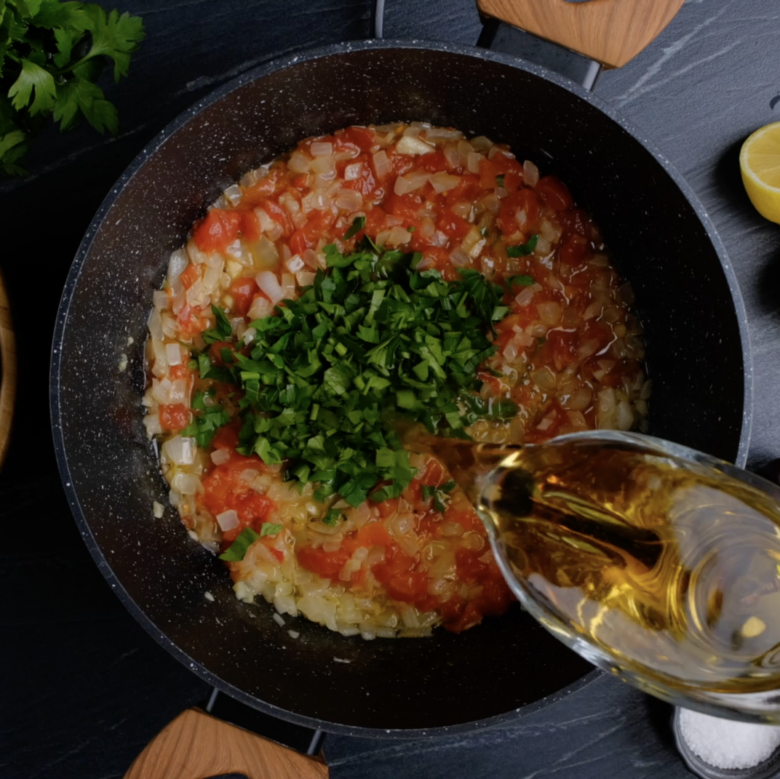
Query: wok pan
[{"x": 660, "y": 237}]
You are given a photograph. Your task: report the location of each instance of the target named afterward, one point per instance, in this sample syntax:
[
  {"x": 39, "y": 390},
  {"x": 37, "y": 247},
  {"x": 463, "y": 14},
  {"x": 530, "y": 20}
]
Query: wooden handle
[
  {"x": 8, "y": 356},
  {"x": 196, "y": 746},
  {"x": 609, "y": 31}
]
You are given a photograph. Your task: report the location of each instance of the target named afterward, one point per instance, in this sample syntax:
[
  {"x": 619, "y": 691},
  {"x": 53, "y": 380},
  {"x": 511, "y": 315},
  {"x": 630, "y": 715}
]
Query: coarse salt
[{"x": 725, "y": 743}]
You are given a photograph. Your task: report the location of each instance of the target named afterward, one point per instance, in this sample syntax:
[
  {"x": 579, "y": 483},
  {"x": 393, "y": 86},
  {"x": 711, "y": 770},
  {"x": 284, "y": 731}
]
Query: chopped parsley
[
  {"x": 440, "y": 495},
  {"x": 269, "y": 529},
  {"x": 370, "y": 339},
  {"x": 358, "y": 223},
  {"x": 236, "y": 551},
  {"x": 332, "y": 517},
  {"x": 523, "y": 249},
  {"x": 521, "y": 281},
  {"x": 205, "y": 424},
  {"x": 222, "y": 330},
  {"x": 500, "y": 180}
]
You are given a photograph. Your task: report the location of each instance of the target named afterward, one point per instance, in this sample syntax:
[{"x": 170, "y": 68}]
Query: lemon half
[{"x": 759, "y": 161}]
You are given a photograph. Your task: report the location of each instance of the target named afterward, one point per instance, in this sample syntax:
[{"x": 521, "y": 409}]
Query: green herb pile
[
  {"x": 51, "y": 54},
  {"x": 371, "y": 337}
]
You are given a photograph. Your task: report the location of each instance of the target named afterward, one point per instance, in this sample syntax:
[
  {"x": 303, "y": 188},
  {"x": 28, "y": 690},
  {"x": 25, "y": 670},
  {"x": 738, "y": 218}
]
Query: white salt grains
[{"x": 725, "y": 743}]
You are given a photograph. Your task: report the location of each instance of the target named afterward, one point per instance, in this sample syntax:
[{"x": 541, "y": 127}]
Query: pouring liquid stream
[{"x": 660, "y": 568}]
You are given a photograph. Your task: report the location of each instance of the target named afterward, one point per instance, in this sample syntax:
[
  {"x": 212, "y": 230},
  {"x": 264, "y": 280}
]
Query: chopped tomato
[
  {"x": 307, "y": 236},
  {"x": 243, "y": 290},
  {"x": 325, "y": 564},
  {"x": 364, "y": 182},
  {"x": 264, "y": 188},
  {"x": 174, "y": 417},
  {"x": 180, "y": 371},
  {"x": 401, "y": 581},
  {"x": 468, "y": 190},
  {"x": 523, "y": 204},
  {"x": 407, "y": 207},
  {"x": 190, "y": 275},
  {"x": 190, "y": 322},
  {"x": 215, "y": 352},
  {"x": 575, "y": 250},
  {"x": 225, "y": 489},
  {"x": 575, "y": 220},
  {"x": 279, "y": 215},
  {"x": 434, "y": 162},
  {"x": 555, "y": 193},
  {"x": 562, "y": 348},
  {"x": 362, "y": 137},
  {"x": 453, "y": 225},
  {"x": 217, "y": 230}
]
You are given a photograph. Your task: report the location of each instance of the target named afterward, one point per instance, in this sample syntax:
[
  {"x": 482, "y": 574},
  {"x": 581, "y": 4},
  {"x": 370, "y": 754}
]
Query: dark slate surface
[{"x": 83, "y": 687}]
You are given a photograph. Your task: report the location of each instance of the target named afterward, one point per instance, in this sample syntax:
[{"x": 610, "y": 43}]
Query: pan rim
[{"x": 274, "y": 65}]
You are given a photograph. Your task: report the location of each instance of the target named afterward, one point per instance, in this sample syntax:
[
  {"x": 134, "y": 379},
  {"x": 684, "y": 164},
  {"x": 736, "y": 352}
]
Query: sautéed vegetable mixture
[{"x": 378, "y": 271}]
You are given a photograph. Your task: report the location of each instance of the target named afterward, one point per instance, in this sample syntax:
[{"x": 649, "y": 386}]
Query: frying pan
[{"x": 661, "y": 239}]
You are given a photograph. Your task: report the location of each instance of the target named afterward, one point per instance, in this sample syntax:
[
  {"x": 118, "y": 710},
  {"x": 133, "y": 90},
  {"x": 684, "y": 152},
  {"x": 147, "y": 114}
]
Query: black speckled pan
[{"x": 662, "y": 241}]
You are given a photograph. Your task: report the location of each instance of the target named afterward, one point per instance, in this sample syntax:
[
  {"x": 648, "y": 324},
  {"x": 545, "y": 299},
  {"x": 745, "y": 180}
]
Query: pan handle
[
  {"x": 609, "y": 31},
  {"x": 197, "y": 746}
]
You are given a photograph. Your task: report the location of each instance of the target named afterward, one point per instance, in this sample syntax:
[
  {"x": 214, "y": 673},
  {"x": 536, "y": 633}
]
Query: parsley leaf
[
  {"x": 236, "y": 551},
  {"x": 500, "y": 180},
  {"x": 269, "y": 529},
  {"x": 51, "y": 55},
  {"x": 523, "y": 249},
  {"x": 33, "y": 77},
  {"x": 332, "y": 517},
  {"x": 358, "y": 223},
  {"x": 521, "y": 281}
]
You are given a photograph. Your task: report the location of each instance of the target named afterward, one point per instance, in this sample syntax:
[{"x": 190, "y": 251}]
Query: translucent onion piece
[
  {"x": 268, "y": 282},
  {"x": 180, "y": 451},
  {"x": 321, "y": 149},
  {"x": 227, "y": 520},
  {"x": 381, "y": 164},
  {"x": 176, "y": 264},
  {"x": 220, "y": 456},
  {"x": 410, "y": 145},
  {"x": 444, "y": 182},
  {"x": 173, "y": 353}
]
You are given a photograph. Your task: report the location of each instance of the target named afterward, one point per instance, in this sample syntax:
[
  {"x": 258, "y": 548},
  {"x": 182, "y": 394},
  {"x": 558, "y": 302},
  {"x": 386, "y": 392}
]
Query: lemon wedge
[{"x": 759, "y": 161}]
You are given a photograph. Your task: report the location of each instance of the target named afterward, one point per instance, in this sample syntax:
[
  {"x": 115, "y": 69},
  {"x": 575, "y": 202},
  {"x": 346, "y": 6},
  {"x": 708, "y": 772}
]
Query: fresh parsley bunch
[
  {"x": 51, "y": 54},
  {"x": 370, "y": 338}
]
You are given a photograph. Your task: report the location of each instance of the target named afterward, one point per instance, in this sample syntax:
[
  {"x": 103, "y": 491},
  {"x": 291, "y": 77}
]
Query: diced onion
[
  {"x": 525, "y": 297},
  {"x": 227, "y": 520},
  {"x": 444, "y": 182},
  {"x": 298, "y": 162},
  {"x": 186, "y": 483},
  {"x": 550, "y": 313},
  {"x": 233, "y": 195},
  {"x": 176, "y": 264},
  {"x": 295, "y": 263},
  {"x": 352, "y": 172},
  {"x": 173, "y": 354},
  {"x": 544, "y": 378},
  {"x": 410, "y": 183},
  {"x": 155, "y": 325},
  {"x": 152, "y": 425},
  {"x": 261, "y": 308},
  {"x": 348, "y": 200},
  {"x": 472, "y": 162},
  {"x": 305, "y": 278},
  {"x": 180, "y": 451},
  {"x": 381, "y": 164},
  {"x": 413, "y": 146},
  {"x": 161, "y": 299},
  {"x": 321, "y": 149},
  {"x": 530, "y": 173},
  {"x": 220, "y": 456},
  {"x": 268, "y": 282}
]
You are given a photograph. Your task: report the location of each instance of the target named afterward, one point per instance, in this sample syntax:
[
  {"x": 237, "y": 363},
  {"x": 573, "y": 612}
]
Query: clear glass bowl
[{"x": 659, "y": 680}]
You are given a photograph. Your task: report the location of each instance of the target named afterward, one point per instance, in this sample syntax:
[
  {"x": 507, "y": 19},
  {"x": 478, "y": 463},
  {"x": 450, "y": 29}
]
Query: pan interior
[{"x": 695, "y": 356}]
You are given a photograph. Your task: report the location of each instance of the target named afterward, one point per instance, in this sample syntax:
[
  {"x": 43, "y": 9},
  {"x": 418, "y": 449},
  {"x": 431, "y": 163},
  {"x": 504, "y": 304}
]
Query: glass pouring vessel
[{"x": 655, "y": 562}]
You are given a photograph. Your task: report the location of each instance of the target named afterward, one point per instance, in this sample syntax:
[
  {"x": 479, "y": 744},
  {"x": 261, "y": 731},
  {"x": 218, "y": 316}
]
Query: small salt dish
[{"x": 766, "y": 768}]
